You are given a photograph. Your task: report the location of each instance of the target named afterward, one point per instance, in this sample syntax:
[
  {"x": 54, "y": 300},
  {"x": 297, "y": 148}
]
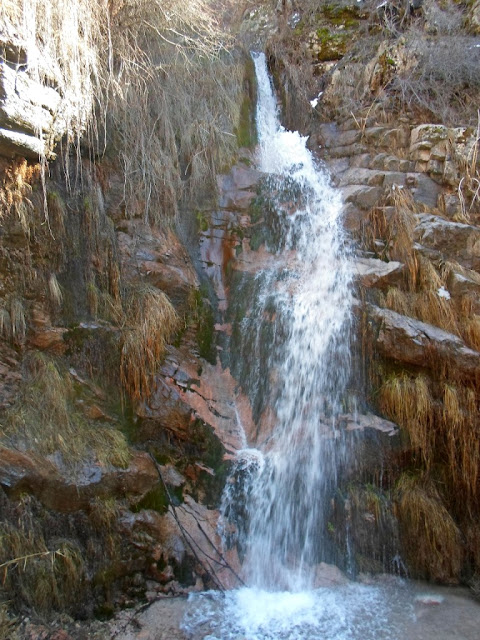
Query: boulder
[
  {"x": 28, "y": 473},
  {"x": 358, "y": 175},
  {"x": 376, "y": 273},
  {"x": 455, "y": 240},
  {"x": 417, "y": 343},
  {"x": 328, "y": 576},
  {"x": 465, "y": 283},
  {"x": 364, "y": 197},
  {"x": 29, "y": 122}
]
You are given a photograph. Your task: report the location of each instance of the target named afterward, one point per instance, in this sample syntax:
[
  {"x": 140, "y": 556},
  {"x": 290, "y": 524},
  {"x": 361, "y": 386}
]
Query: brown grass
[
  {"x": 460, "y": 422},
  {"x": 433, "y": 540},
  {"x": 42, "y": 577},
  {"x": 408, "y": 401},
  {"x": 422, "y": 301},
  {"x": 13, "y": 323},
  {"x": 45, "y": 420},
  {"x": 151, "y": 323},
  {"x": 157, "y": 74},
  {"x": 15, "y": 191},
  {"x": 429, "y": 307}
]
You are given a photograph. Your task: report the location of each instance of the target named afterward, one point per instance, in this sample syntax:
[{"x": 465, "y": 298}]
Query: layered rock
[{"x": 29, "y": 110}]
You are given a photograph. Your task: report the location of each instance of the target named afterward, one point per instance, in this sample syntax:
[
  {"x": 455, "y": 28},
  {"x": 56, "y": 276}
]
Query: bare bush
[
  {"x": 445, "y": 81},
  {"x": 158, "y": 77}
]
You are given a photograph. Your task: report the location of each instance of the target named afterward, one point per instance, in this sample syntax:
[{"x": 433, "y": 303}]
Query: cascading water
[
  {"x": 280, "y": 495},
  {"x": 312, "y": 299}
]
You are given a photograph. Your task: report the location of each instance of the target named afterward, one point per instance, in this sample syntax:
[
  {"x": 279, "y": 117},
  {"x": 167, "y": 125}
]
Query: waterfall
[
  {"x": 312, "y": 301},
  {"x": 281, "y": 485}
]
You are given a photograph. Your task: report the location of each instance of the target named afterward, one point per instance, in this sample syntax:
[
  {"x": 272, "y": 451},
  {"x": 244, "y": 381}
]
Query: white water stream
[
  {"x": 312, "y": 302},
  {"x": 289, "y": 480}
]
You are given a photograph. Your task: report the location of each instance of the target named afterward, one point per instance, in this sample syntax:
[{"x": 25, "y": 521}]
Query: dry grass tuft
[
  {"x": 151, "y": 323},
  {"x": 470, "y": 331},
  {"x": 428, "y": 277},
  {"x": 40, "y": 576},
  {"x": 7, "y": 625},
  {"x": 55, "y": 291},
  {"x": 15, "y": 189},
  {"x": 13, "y": 324},
  {"x": 45, "y": 419},
  {"x": 437, "y": 552},
  {"x": 408, "y": 401},
  {"x": 460, "y": 421},
  {"x": 397, "y": 300},
  {"x": 429, "y": 307}
]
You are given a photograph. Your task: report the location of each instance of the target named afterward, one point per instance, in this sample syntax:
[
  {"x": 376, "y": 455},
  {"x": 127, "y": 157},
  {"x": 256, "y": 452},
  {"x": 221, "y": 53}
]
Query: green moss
[
  {"x": 203, "y": 222},
  {"x": 246, "y": 131},
  {"x": 258, "y": 238},
  {"x": 341, "y": 16},
  {"x": 255, "y": 210},
  {"x": 156, "y": 499},
  {"x": 206, "y": 335},
  {"x": 331, "y": 46}
]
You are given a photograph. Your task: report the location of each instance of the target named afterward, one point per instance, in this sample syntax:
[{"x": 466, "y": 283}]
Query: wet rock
[
  {"x": 28, "y": 473},
  {"x": 181, "y": 395},
  {"x": 237, "y": 188},
  {"x": 360, "y": 422},
  {"x": 185, "y": 540},
  {"x": 373, "y": 272},
  {"x": 328, "y": 575}
]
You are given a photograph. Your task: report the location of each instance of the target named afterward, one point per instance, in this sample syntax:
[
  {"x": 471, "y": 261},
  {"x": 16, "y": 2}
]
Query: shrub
[
  {"x": 151, "y": 323},
  {"x": 437, "y": 552},
  {"x": 444, "y": 82},
  {"x": 46, "y": 419},
  {"x": 155, "y": 74}
]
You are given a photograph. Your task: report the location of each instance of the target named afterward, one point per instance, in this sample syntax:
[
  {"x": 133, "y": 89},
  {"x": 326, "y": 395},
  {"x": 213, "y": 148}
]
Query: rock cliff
[{"x": 122, "y": 389}]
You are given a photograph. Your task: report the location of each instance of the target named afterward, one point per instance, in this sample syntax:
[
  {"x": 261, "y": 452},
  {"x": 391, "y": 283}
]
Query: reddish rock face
[
  {"x": 157, "y": 257},
  {"x": 182, "y": 396}
]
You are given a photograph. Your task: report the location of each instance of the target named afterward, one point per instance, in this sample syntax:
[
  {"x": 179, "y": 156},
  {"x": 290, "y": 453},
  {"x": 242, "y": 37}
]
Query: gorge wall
[{"x": 125, "y": 282}]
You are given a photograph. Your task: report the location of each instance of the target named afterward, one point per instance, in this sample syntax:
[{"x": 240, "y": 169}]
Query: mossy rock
[
  {"x": 204, "y": 317},
  {"x": 246, "y": 131},
  {"x": 328, "y": 45},
  {"x": 156, "y": 499},
  {"x": 341, "y": 16}
]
